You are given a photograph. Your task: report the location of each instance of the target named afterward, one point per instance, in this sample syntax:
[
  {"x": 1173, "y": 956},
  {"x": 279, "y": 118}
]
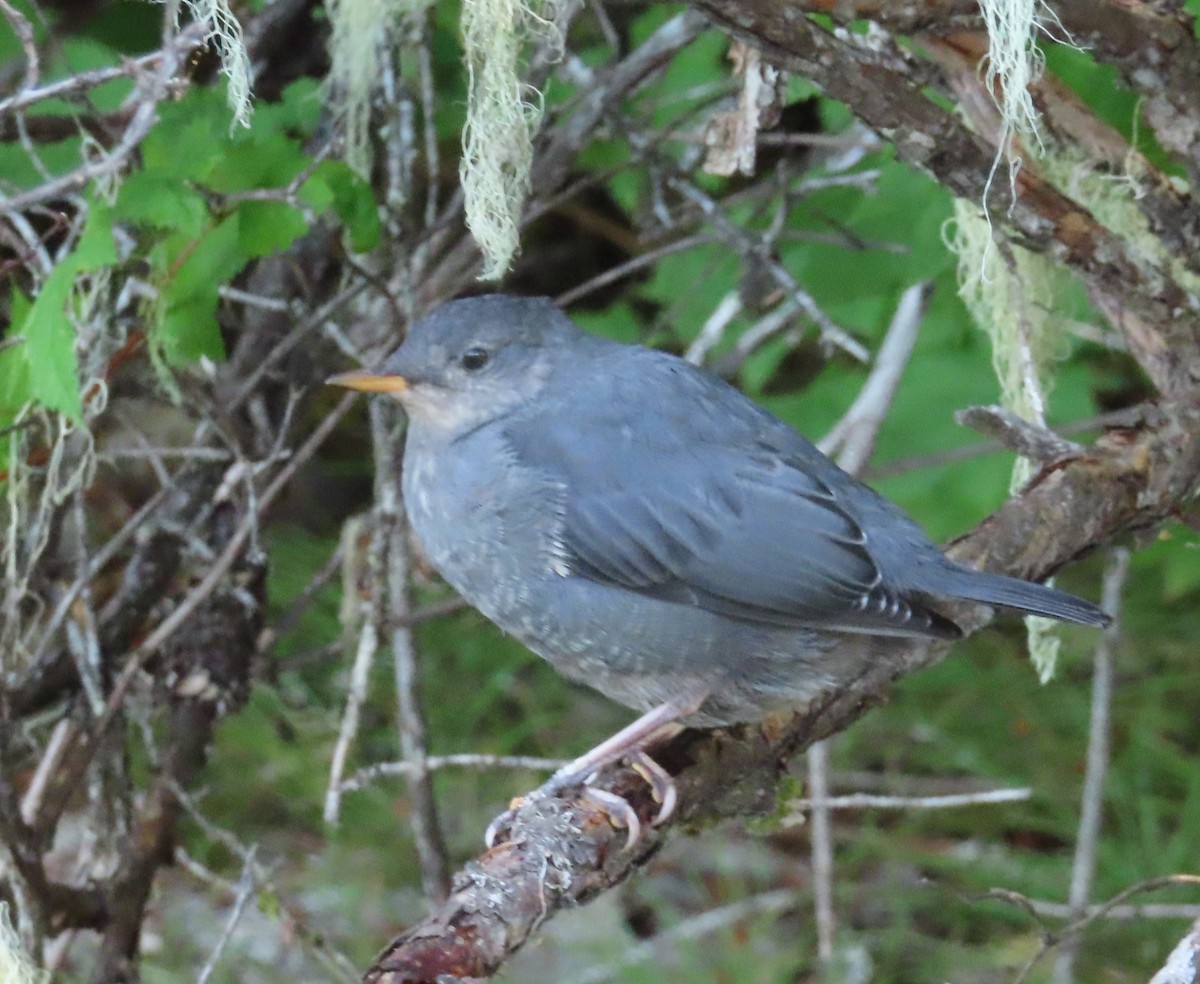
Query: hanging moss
[
  {"x": 1012, "y": 296},
  {"x": 502, "y": 117},
  {"x": 361, "y": 37},
  {"x": 225, "y": 35}
]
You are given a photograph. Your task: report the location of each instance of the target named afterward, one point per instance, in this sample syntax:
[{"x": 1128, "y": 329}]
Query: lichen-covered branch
[{"x": 886, "y": 87}]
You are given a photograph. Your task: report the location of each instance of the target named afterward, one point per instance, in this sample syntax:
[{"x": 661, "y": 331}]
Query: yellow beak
[{"x": 368, "y": 382}]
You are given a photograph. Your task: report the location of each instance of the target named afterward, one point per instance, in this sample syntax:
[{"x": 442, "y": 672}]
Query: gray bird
[{"x": 649, "y": 530}]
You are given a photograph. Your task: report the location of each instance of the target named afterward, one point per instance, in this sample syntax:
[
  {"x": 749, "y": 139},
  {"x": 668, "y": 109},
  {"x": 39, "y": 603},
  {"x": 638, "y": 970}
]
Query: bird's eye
[{"x": 474, "y": 358}]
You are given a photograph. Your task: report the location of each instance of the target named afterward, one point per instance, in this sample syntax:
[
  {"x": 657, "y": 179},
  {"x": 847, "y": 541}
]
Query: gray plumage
[{"x": 648, "y": 529}]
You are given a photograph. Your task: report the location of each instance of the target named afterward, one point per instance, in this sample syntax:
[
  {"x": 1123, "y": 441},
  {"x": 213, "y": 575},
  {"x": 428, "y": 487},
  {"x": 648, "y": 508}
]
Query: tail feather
[{"x": 1024, "y": 596}]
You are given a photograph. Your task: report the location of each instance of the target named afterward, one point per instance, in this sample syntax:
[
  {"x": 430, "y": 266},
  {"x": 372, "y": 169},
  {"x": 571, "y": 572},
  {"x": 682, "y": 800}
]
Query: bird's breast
[{"x": 491, "y": 527}]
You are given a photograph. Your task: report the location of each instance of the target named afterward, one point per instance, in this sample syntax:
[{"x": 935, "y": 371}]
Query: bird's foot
[
  {"x": 630, "y": 742},
  {"x": 619, "y": 811}
]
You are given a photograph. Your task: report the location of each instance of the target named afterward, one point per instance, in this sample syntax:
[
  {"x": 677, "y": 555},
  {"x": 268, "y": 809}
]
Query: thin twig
[
  {"x": 98, "y": 561},
  {"x": 81, "y": 753},
  {"x": 154, "y": 90},
  {"x": 429, "y": 121},
  {"x": 24, "y": 32},
  {"x": 630, "y": 267},
  {"x": 1083, "y": 867},
  {"x": 766, "y": 329},
  {"x": 1119, "y": 913},
  {"x": 1051, "y": 939},
  {"x": 1028, "y": 439},
  {"x": 229, "y": 555},
  {"x": 713, "y": 329},
  {"x": 821, "y": 852},
  {"x": 356, "y": 695},
  {"x": 316, "y": 943},
  {"x": 467, "y": 760},
  {"x": 854, "y": 435},
  {"x": 1127, "y": 417},
  {"x": 873, "y": 801},
  {"x": 743, "y": 242},
  {"x": 392, "y": 532},
  {"x": 52, "y": 755},
  {"x": 245, "y": 890}
]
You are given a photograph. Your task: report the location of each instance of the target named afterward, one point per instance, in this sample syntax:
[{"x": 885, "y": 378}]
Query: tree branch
[{"x": 886, "y": 88}]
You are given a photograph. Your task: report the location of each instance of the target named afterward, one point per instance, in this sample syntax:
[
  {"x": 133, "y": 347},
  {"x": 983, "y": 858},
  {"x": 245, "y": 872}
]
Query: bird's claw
[
  {"x": 619, "y": 813},
  {"x": 661, "y": 784},
  {"x": 500, "y": 821},
  {"x": 618, "y": 810}
]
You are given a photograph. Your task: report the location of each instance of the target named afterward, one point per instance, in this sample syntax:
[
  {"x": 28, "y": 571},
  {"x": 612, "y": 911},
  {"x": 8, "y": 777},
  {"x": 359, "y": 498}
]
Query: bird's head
[{"x": 472, "y": 360}]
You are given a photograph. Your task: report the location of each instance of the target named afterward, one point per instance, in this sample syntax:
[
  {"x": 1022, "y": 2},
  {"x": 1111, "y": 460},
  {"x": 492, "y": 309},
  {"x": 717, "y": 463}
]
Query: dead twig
[
  {"x": 1026, "y": 438},
  {"x": 152, "y": 89},
  {"x": 392, "y": 534}
]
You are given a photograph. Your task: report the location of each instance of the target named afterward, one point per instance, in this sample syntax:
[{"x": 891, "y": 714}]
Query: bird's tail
[{"x": 1025, "y": 596}]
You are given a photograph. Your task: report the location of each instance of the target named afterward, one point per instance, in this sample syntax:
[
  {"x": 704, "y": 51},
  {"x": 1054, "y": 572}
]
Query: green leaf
[
  {"x": 190, "y": 139},
  {"x": 261, "y": 160},
  {"x": 208, "y": 262},
  {"x": 151, "y": 199},
  {"x": 316, "y": 194},
  {"x": 97, "y": 248},
  {"x": 298, "y": 109},
  {"x": 334, "y": 183},
  {"x": 49, "y": 347},
  {"x": 189, "y": 330},
  {"x": 267, "y": 227}
]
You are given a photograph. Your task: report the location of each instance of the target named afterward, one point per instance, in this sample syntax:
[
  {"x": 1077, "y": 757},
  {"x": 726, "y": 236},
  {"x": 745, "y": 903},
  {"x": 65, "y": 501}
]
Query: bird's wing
[{"x": 713, "y": 504}]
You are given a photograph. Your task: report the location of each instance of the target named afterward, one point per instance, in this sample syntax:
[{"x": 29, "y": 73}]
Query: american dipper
[{"x": 652, "y": 532}]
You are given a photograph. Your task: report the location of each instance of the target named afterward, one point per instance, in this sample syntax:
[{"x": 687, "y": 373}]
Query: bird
[{"x": 652, "y": 532}]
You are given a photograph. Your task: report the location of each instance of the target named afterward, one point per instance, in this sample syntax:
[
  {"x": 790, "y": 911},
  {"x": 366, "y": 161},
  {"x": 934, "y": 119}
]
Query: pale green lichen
[
  {"x": 503, "y": 112},
  {"x": 1012, "y": 296},
  {"x": 502, "y": 118},
  {"x": 16, "y": 967},
  {"x": 1014, "y": 61},
  {"x": 1113, "y": 200},
  {"x": 225, "y": 35},
  {"x": 361, "y": 38}
]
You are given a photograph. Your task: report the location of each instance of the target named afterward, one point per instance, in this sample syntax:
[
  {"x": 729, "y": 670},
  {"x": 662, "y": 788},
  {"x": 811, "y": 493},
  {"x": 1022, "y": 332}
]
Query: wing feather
[{"x": 726, "y": 510}]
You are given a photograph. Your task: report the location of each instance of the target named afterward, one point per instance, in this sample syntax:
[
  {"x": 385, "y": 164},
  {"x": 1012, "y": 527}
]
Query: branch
[
  {"x": 1083, "y": 868},
  {"x": 154, "y": 88},
  {"x": 886, "y": 87},
  {"x": 1183, "y": 965},
  {"x": 1026, "y": 438},
  {"x": 393, "y": 586}
]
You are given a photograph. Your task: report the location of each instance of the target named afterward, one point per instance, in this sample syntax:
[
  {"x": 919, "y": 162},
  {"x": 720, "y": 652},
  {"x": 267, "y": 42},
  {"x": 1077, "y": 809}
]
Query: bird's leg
[
  {"x": 633, "y": 737},
  {"x": 630, "y": 740}
]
